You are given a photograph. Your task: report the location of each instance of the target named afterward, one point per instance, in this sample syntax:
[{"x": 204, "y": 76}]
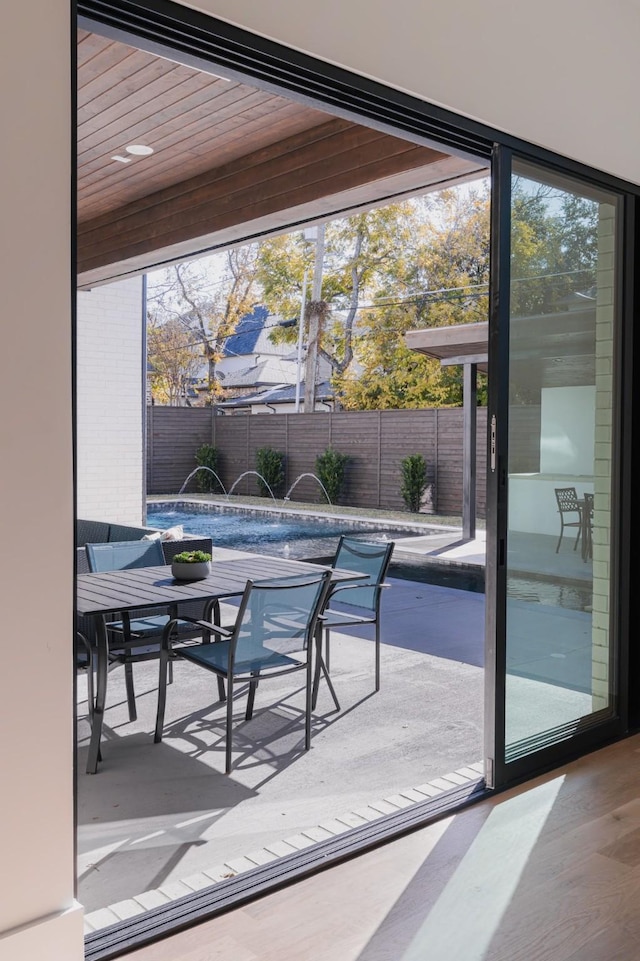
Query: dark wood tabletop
[{"x": 114, "y": 591}]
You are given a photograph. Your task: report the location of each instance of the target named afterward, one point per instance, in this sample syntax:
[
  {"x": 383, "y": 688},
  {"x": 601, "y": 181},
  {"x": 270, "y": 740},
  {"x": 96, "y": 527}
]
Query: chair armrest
[
  {"x": 352, "y": 586},
  {"x": 205, "y": 625}
]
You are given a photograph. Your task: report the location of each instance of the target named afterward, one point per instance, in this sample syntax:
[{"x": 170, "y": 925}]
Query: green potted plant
[{"x": 191, "y": 565}]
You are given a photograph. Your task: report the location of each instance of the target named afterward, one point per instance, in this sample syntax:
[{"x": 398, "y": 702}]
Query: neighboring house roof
[
  {"x": 272, "y": 370},
  {"x": 252, "y": 343},
  {"x": 283, "y": 394},
  {"x": 250, "y": 336},
  {"x": 250, "y": 359}
]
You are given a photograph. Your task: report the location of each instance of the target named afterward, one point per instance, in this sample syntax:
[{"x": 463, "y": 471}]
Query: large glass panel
[{"x": 562, "y": 313}]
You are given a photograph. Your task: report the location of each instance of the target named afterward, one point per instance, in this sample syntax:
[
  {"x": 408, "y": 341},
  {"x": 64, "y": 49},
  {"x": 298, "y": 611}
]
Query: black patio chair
[
  {"x": 276, "y": 619},
  {"x": 136, "y": 638},
  {"x": 353, "y": 604},
  {"x": 83, "y": 653},
  {"x": 568, "y": 505}
]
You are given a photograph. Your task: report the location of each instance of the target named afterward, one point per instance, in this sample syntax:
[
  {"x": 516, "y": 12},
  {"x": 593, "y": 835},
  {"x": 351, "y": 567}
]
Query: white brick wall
[
  {"x": 603, "y": 464},
  {"x": 109, "y": 399}
]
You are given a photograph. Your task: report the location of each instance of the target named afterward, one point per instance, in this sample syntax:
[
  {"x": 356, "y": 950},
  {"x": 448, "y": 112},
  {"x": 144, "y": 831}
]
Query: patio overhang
[
  {"x": 465, "y": 344},
  {"x": 230, "y": 162},
  {"x": 546, "y": 350},
  {"x": 457, "y": 344}
]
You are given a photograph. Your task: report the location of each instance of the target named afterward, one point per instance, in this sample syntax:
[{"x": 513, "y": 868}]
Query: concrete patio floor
[
  {"x": 155, "y": 814},
  {"x": 158, "y": 821}
]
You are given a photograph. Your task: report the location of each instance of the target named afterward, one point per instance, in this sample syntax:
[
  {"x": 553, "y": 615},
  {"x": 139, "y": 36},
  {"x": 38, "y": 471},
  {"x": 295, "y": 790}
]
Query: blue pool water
[{"x": 296, "y": 537}]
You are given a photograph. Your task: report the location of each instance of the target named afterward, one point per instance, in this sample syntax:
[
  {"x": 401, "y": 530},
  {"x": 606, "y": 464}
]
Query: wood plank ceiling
[{"x": 229, "y": 162}]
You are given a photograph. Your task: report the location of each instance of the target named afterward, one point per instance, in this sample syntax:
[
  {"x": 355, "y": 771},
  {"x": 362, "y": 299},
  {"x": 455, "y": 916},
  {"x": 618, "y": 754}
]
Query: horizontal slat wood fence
[{"x": 375, "y": 441}]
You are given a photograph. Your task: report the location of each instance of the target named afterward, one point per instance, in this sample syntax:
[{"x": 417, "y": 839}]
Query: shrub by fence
[{"x": 375, "y": 441}]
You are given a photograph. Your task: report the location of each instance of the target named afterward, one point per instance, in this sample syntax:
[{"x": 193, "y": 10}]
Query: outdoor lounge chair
[
  {"x": 135, "y": 638},
  {"x": 354, "y": 604},
  {"x": 568, "y": 504},
  {"x": 276, "y": 619}
]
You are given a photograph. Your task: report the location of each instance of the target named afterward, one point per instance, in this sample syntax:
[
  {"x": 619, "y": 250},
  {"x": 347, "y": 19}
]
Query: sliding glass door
[{"x": 553, "y": 427}]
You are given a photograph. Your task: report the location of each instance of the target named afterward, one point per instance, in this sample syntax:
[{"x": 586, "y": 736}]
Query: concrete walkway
[{"x": 528, "y": 554}]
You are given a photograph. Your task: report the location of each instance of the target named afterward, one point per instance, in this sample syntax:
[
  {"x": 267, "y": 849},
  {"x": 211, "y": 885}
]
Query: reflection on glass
[{"x": 560, "y": 448}]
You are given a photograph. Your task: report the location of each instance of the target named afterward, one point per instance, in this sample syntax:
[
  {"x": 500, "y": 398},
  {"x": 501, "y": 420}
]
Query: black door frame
[
  {"x": 609, "y": 726},
  {"x": 161, "y": 26}
]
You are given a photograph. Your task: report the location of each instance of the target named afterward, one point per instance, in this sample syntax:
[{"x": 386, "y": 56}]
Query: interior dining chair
[
  {"x": 568, "y": 505},
  {"x": 353, "y": 604},
  {"x": 272, "y": 636},
  {"x": 136, "y": 638}
]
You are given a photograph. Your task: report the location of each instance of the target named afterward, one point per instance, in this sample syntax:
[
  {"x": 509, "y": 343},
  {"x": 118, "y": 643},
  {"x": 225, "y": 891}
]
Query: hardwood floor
[{"x": 547, "y": 872}]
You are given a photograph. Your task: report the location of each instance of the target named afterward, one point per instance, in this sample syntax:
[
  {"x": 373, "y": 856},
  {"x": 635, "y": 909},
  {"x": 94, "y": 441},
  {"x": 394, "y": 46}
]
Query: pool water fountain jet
[
  {"x": 194, "y": 472},
  {"x": 300, "y": 477},
  {"x": 246, "y": 473}
]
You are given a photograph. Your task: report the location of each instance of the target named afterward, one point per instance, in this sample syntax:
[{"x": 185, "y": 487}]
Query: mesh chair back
[
  {"x": 91, "y": 532},
  {"x": 370, "y": 559},
  {"x": 567, "y": 499},
  {"x": 125, "y": 532},
  {"x": 123, "y": 555},
  {"x": 277, "y": 615}
]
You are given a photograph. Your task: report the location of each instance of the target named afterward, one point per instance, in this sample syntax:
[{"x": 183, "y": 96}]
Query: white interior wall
[
  {"x": 562, "y": 75},
  {"x": 109, "y": 403},
  {"x": 38, "y": 916},
  {"x": 567, "y": 440},
  {"x": 567, "y": 430}
]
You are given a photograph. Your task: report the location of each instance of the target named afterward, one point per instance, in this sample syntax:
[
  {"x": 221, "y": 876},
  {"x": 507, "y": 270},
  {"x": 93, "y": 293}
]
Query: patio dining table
[{"x": 114, "y": 592}]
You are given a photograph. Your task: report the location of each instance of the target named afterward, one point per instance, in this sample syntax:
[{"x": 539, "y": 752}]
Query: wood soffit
[{"x": 230, "y": 161}]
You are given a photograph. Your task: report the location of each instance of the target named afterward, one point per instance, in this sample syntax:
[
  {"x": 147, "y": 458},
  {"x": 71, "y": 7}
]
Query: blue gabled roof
[{"x": 247, "y": 332}]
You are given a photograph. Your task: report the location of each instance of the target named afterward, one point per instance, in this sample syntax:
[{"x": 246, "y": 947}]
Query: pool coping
[{"x": 215, "y": 506}]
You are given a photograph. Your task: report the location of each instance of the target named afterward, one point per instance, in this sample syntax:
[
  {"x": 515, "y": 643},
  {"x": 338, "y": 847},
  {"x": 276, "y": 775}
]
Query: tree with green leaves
[
  {"x": 421, "y": 262},
  {"x": 357, "y": 250},
  {"x": 554, "y": 247},
  {"x": 440, "y": 278}
]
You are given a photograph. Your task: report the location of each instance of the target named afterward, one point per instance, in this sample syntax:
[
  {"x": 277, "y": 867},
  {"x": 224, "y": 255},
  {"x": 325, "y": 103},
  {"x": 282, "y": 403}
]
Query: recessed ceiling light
[
  {"x": 123, "y": 160},
  {"x": 139, "y": 150}
]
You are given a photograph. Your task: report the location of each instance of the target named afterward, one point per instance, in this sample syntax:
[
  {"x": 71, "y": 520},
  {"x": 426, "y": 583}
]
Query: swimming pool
[
  {"x": 283, "y": 535},
  {"x": 309, "y": 537}
]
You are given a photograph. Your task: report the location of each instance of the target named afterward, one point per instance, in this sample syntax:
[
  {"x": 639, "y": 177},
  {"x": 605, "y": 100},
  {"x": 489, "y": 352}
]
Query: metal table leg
[{"x": 102, "y": 672}]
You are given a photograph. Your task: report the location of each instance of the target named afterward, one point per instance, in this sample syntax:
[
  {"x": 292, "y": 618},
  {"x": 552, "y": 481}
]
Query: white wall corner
[{"x": 57, "y": 937}]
